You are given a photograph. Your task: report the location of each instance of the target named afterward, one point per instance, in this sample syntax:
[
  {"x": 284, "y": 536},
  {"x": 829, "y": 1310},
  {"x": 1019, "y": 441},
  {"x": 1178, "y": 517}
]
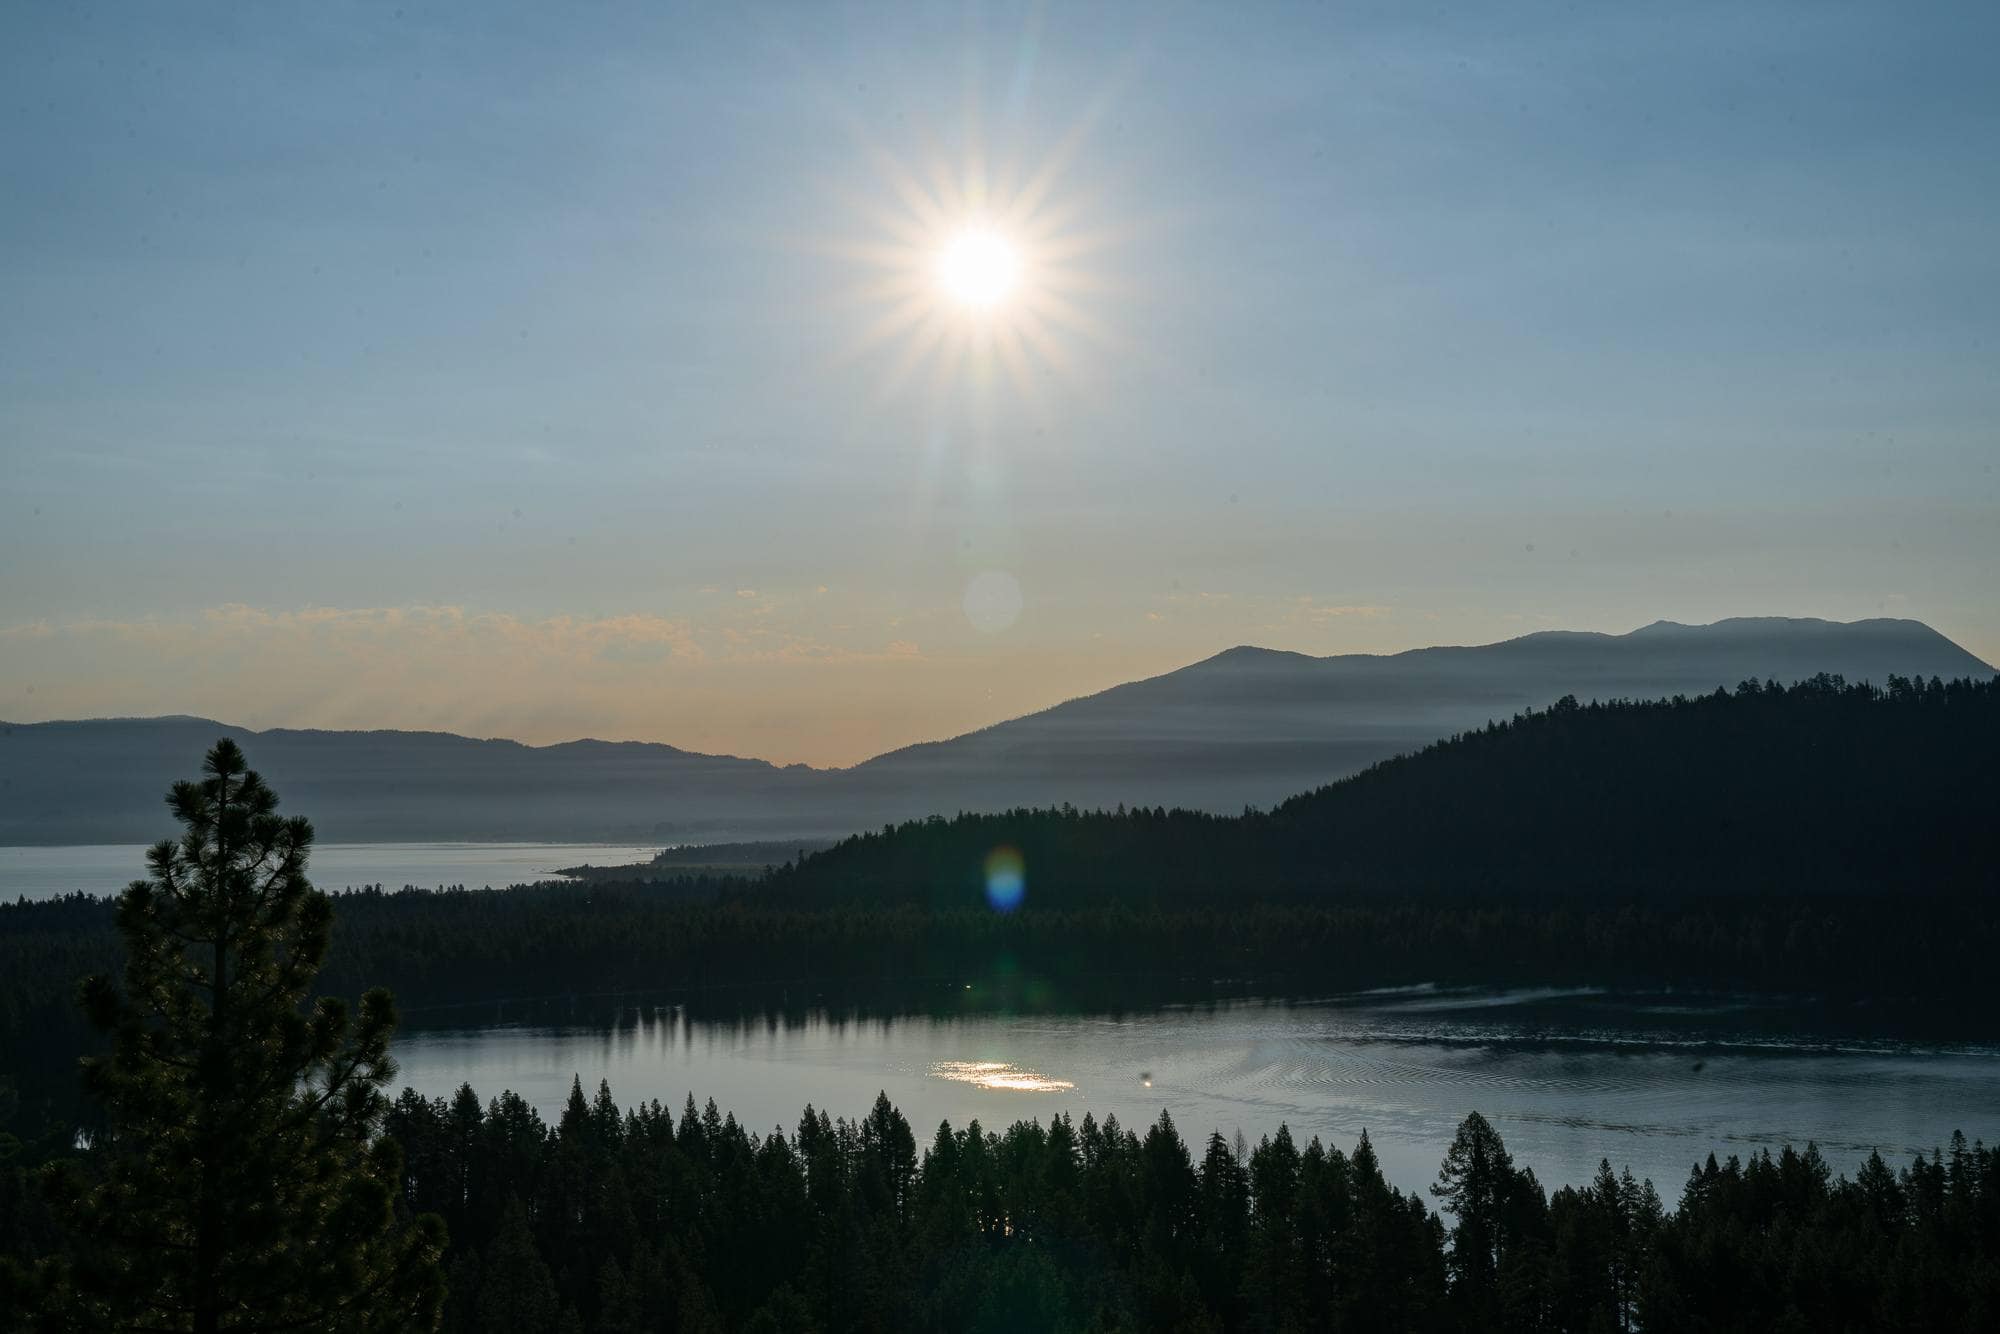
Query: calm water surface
[
  {"x": 40, "y": 873},
  {"x": 1653, "y": 1082}
]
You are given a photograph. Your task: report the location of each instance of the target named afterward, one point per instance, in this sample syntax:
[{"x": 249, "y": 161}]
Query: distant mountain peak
[
  {"x": 1247, "y": 653},
  {"x": 1779, "y": 624},
  {"x": 1728, "y": 628},
  {"x": 1898, "y": 632}
]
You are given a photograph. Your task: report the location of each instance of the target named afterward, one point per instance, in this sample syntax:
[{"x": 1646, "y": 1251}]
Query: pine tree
[
  {"x": 518, "y": 1294},
  {"x": 1475, "y": 1184},
  {"x": 241, "y": 1184}
]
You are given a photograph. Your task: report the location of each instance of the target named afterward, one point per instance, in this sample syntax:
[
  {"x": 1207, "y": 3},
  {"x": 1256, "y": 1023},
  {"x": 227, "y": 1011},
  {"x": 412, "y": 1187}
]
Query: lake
[
  {"x": 1656, "y": 1082},
  {"x": 44, "y": 872},
  {"x": 1652, "y": 1081}
]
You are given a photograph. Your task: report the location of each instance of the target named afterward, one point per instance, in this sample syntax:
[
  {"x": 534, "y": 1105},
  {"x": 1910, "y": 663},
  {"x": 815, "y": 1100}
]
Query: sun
[
  {"x": 983, "y": 272},
  {"x": 979, "y": 268}
]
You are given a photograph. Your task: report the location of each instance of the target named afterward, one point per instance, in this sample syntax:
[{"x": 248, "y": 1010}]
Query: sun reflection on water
[{"x": 998, "y": 1075}]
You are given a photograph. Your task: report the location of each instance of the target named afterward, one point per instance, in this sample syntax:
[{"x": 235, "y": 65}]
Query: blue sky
[{"x": 500, "y": 368}]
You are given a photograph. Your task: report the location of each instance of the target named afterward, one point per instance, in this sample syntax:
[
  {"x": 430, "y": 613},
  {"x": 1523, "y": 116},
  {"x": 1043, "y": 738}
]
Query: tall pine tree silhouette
[{"x": 243, "y": 1186}]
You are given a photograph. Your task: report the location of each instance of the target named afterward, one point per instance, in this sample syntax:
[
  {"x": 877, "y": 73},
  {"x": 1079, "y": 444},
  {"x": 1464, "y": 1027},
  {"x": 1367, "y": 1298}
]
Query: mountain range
[
  {"x": 1769, "y": 791},
  {"x": 1247, "y": 727}
]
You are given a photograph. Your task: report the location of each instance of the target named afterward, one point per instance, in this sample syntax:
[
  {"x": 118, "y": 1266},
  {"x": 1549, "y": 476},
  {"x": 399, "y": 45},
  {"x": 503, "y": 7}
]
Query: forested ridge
[{"x": 1817, "y": 788}]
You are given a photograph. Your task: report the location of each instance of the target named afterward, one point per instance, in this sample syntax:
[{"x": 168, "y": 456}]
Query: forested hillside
[
  {"x": 1816, "y": 788},
  {"x": 613, "y": 1221},
  {"x": 645, "y": 1221}
]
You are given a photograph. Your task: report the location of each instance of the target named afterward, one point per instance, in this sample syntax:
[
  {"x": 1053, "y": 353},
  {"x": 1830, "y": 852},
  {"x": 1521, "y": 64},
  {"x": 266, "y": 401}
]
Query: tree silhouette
[
  {"x": 240, "y": 1184},
  {"x": 1476, "y": 1185}
]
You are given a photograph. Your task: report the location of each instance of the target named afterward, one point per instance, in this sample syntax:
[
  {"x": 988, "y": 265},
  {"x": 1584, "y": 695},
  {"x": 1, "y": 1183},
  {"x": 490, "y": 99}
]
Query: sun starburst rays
[{"x": 961, "y": 273}]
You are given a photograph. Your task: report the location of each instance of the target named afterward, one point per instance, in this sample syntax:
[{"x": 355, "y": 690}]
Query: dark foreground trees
[
  {"x": 623, "y": 1221},
  {"x": 645, "y": 1220},
  {"x": 239, "y": 1183}
]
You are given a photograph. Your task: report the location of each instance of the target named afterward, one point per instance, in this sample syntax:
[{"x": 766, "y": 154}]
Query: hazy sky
[{"x": 509, "y": 370}]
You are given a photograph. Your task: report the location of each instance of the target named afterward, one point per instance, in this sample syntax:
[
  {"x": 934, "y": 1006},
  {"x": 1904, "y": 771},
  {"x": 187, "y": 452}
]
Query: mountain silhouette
[
  {"x": 101, "y": 780},
  {"x": 1249, "y": 726},
  {"x": 1253, "y": 726},
  {"x": 1802, "y": 791}
]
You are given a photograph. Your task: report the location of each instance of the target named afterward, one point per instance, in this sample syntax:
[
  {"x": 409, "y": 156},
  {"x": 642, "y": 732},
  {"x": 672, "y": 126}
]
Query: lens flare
[
  {"x": 1006, "y": 879},
  {"x": 992, "y": 601}
]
